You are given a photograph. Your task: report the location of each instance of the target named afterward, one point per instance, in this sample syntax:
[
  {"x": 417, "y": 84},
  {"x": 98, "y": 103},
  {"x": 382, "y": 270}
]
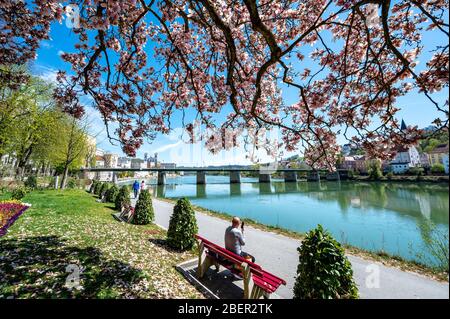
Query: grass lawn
[{"x": 68, "y": 230}]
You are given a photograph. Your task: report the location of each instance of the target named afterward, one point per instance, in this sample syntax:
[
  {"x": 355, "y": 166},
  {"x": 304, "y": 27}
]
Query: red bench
[{"x": 264, "y": 283}]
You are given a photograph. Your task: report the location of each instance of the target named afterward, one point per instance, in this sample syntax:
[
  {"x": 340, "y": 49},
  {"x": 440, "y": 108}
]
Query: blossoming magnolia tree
[{"x": 346, "y": 61}]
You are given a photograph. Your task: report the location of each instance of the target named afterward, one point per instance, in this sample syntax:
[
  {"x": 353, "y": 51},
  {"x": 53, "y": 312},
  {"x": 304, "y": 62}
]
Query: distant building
[
  {"x": 137, "y": 163},
  {"x": 424, "y": 160},
  {"x": 168, "y": 165},
  {"x": 151, "y": 161},
  {"x": 99, "y": 161},
  {"x": 349, "y": 163},
  {"x": 99, "y": 152},
  {"x": 437, "y": 155},
  {"x": 361, "y": 163},
  {"x": 124, "y": 162},
  {"x": 406, "y": 158}
]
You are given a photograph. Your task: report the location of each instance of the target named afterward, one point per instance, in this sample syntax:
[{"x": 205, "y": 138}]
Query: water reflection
[
  {"x": 265, "y": 188},
  {"x": 201, "y": 191},
  {"x": 235, "y": 190}
]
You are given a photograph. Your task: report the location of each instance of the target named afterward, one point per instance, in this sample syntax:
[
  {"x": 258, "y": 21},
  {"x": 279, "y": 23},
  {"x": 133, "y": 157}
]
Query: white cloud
[
  {"x": 46, "y": 73},
  {"x": 168, "y": 147}
]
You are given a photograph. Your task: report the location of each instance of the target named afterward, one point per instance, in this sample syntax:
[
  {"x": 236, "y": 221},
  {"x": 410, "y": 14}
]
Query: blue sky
[{"x": 415, "y": 110}]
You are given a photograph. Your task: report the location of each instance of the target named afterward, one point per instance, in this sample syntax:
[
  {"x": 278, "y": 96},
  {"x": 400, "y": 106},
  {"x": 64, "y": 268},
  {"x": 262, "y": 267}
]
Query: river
[{"x": 376, "y": 216}]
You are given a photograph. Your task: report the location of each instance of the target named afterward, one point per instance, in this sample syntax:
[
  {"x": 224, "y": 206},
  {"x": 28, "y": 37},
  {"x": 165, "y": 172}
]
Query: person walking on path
[
  {"x": 234, "y": 239},
  {"x": 142, "y": 185},
  {"x": 136, "y": 188}
]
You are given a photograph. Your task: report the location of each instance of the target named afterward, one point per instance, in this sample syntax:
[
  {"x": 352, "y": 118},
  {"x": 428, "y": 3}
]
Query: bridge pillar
[
  {"x": 290, "y": 177},
  {"x": 201, "y": 177},
  {"x": 314, "y": 176},
  {"x": 235, "y": 177},
  {"x": 264, "y": 178},
  {"x": 333, "y": 176},
  {"x": 161, "y": 178}
]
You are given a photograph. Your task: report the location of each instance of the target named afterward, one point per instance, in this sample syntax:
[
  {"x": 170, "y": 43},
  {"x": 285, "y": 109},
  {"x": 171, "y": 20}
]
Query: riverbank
[
  {"x": 381, "y": 256},
  {"x": 278, "y": 254},
  {"x": 405, "y": 178}
]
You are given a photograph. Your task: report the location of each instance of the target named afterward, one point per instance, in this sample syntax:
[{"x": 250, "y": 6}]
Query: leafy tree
[
  {"x": 31, "y": 182},
  {"x": 143, "y": 211},
  {"x": 438, "y": 169},
  {"x": 123, "y": 198},
  {"x": 182, "y": 226},
  {"x": 71, "y": 145},
  {"x": 374, "y": 170},
  {"x": 323, "y": 271},
  {"x": 25, "y": 116},
  {"x": 243, "y": 53}
]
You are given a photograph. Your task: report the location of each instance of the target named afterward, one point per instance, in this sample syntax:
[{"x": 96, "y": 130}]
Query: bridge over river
[{"x": 290, "y": 174}]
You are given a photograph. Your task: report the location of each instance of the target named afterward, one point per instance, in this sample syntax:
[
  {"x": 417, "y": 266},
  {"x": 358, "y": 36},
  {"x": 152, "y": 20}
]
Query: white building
[
  {"x": 406, "y": 158},
  {"x": 111, "y": 160},
  {"x": 138, "y": 163}
]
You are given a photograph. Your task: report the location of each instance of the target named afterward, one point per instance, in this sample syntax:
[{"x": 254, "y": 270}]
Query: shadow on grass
[
  {"x": 37, "y": 267},
  {"x": 162, "y": 243}
]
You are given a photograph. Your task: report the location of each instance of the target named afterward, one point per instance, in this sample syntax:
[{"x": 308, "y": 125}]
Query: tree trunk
[{"x": 64, "y": 177}]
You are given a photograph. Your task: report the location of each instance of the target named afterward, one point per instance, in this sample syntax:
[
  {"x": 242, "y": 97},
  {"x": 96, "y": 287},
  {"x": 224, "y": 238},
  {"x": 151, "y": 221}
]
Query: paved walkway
[{"x": 278, "y": 254}]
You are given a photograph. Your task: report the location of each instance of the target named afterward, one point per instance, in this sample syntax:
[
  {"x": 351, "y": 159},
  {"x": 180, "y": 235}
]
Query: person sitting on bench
[{"x": 234, "y": 239}]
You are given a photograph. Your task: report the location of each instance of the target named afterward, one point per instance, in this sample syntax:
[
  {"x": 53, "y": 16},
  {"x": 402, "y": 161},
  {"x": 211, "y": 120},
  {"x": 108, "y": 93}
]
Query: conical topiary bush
[
  {"x": 97, "y": 188},
  {"x": 112, "y": 193},
  {"x": 143, "y": 211},
  {"x": 182, "y": 226},
  {"x": 123, "y": 198},
  {"x": 324, "y": 272}
]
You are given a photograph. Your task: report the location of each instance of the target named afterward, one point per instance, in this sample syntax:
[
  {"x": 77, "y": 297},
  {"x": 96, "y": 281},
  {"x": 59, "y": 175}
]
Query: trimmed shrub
[
  {"x": 112, "y": 193},
  {"x": 72, "y": 184},
  {"x": 437, "y": 169},
  {"x": 324, "y": 271},
  {"x": 31, "y": 182},
  {"x": 123, "y": 197},
  {"x": 143, "y": 211},
  {"x": 104, "y": 188},
  {"x": 18, "y": 193},
  {"x": 97, "y": 188},
  {"x": 182, "y": 226}
]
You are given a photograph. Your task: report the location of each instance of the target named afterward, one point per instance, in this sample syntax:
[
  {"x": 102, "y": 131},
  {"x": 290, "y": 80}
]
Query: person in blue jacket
[{"x": 136, "y": 187}]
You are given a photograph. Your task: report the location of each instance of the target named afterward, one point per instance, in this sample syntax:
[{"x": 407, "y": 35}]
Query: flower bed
[{"x": 9, "y": 212}]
